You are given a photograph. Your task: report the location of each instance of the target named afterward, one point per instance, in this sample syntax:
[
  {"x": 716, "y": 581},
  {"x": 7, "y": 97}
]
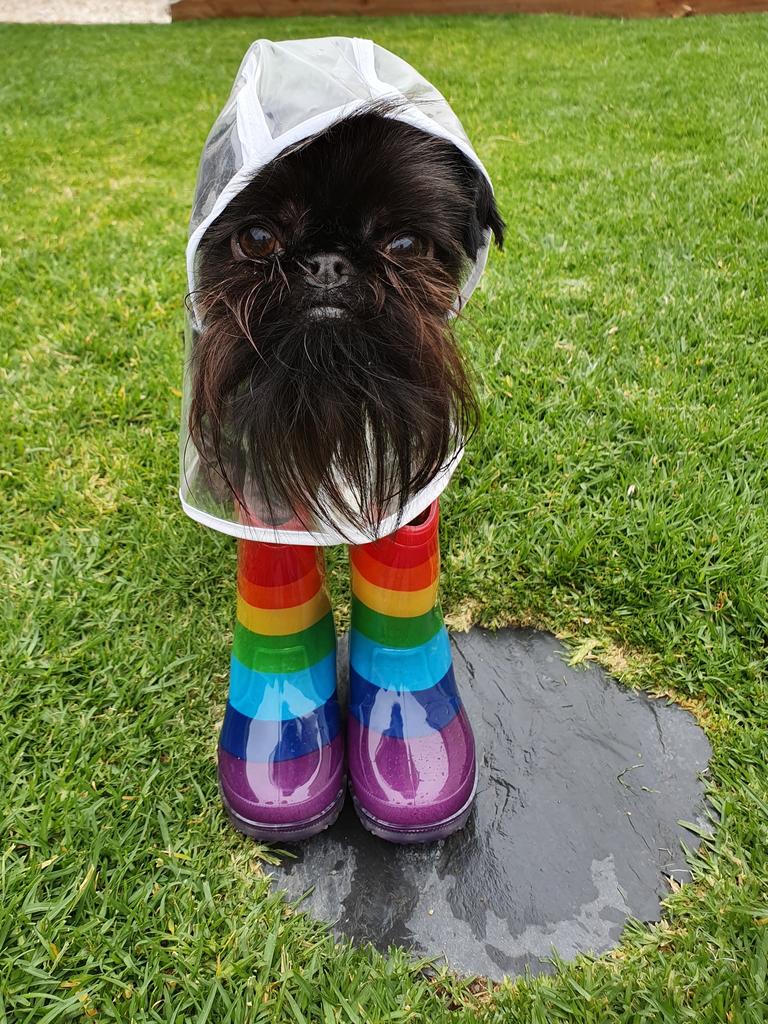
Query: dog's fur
[{"x": 335, "y": 387}]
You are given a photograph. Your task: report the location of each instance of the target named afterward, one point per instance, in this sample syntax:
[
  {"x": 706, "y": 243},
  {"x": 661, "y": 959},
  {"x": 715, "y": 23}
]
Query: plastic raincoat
[{"x": 285, "y": 92}]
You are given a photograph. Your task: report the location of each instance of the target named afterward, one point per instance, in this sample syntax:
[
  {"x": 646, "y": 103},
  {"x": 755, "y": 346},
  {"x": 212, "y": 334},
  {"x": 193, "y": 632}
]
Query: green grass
[{"x": 617, "y": 494}]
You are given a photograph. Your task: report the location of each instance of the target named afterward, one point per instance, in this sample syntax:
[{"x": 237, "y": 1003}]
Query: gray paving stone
[{"x": 575, "y": 825}]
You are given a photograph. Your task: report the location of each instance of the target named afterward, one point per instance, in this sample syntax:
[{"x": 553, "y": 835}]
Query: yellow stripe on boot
[
  {"x": 404, "y": 604},
  {"x": 282, "y": 621}
]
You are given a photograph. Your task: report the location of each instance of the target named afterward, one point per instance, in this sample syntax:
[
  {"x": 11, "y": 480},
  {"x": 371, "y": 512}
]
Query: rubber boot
[
  {"x": 410, "y": 748},
  {"x": 281, "y": 755}
]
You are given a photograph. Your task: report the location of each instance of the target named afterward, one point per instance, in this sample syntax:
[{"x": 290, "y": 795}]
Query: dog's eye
[
  {"x": 403, "y": 244},
  {"x": 410, "y": 245},
  {"x": 254, "y": 243}
]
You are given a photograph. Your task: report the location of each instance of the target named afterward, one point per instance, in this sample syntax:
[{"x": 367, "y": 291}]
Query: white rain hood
[{"x": 285, "y": 92}]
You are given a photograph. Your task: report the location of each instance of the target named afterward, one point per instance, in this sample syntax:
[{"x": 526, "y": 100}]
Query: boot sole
[
  {"x": 423, "y": 834},
  {"x": 287, "y": 832}
]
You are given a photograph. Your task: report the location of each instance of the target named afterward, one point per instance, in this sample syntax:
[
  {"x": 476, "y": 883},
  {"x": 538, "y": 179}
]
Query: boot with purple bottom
[
  {"x": 410, "y": 747},
  {"x": 281, "y": 755}
]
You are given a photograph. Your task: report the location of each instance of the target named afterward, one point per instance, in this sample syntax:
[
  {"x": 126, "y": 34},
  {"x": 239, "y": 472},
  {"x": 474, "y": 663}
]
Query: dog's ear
[{"x": 485, "y": 213}]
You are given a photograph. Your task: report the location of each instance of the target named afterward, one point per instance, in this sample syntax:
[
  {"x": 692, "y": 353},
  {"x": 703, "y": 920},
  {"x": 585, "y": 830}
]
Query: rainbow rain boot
[
  {"x": 281, "y": 754},
  {"x": 410, "y": 746}
]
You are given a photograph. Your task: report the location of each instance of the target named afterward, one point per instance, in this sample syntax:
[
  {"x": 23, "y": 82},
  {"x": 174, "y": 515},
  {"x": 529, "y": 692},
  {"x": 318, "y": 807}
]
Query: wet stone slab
[{"x": 575, "y": 824}]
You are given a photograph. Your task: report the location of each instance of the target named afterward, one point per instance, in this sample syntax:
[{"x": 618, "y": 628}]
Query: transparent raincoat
[{"x": 285, "y": 92}]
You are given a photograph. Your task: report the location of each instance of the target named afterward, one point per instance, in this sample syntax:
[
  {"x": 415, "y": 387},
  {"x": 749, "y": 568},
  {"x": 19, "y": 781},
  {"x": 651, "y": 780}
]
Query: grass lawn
[{"x": 617, "y": 494}]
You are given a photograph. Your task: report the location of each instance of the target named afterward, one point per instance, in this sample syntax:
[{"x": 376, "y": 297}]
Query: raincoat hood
[{"x": 286, "y": 92}]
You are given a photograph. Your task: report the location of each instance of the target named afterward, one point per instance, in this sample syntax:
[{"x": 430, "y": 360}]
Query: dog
[{"x": 327, "y": 378}]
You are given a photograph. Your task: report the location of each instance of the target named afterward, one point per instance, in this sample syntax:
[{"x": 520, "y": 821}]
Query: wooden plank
[{"x": 186, "y": 10}]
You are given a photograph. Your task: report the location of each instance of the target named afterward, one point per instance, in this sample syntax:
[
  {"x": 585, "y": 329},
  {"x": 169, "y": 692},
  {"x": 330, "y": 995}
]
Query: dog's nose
[{"x": 328, "y": 270}]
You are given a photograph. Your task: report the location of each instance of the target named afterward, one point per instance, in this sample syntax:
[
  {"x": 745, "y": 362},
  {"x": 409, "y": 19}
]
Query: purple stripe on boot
[
  {"x": 415, "y": 782},
  {"x": 283, "y": 792}
]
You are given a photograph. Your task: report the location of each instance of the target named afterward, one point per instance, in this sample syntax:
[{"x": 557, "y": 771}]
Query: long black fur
[{"x": 344, "y": 417}]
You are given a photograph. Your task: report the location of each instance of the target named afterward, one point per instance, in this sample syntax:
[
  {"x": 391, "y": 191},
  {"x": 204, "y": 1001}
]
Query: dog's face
[{"x": 326, "y": 367}]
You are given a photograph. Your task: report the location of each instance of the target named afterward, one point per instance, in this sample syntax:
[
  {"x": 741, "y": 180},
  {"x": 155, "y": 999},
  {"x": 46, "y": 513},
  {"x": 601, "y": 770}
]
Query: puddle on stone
[{"x": 574, "y": 828}]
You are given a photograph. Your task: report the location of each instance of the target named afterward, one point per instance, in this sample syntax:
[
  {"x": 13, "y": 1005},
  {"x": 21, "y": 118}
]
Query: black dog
[{"x": 327, "y": 364}]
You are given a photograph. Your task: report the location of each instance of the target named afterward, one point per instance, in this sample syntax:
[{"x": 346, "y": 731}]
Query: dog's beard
[{"x": 339, "y": 403}]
